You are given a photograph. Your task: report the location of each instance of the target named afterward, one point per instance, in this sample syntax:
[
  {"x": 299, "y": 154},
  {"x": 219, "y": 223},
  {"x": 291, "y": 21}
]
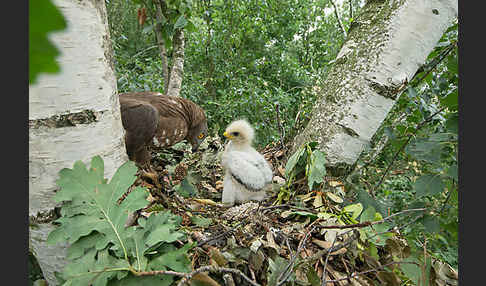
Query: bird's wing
[
  {"x": 171, "y": 130},
  {"x": 264, "y": 167},
  {"x": 140, "y": 120},
  {"x": 247, "y": 169}
]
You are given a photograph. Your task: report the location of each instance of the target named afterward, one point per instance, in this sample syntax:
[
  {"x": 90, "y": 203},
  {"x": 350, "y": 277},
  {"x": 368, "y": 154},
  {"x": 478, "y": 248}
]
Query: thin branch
[
  {"x": 350, "y": 9},
  {"x": 211, "y": 268},
  {"x": 322, "y": 252},
  {"x": 447, "y": 199},
  {"x": 325, "y": 262},
  {"x": 372, "y": 270},
  {"x": 419, "y": 126},
  {"x": 369, "y": 223},
  {"x": 280, "y": 127},
  {"x": 286, "y": 273},
  {"x": 436, "y": 61},
  {"x": 338, "y": 18}
]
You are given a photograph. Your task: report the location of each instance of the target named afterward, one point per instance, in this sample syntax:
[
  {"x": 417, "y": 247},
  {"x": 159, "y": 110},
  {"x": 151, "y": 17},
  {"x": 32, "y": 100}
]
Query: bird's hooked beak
[{"x": 225, "y": 134}]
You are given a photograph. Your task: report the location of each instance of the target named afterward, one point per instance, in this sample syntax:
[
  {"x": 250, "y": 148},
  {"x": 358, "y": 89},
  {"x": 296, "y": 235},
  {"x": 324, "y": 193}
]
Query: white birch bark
[
  {"x": 388, "y": 43},
  {"x": 84, "y": 89},
  {"x": 177, "y": 70},
  {"x": 160, "y": 42}
]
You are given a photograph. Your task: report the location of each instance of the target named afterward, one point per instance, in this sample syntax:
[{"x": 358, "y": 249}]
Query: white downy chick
[{"x": 247, "y": 173}]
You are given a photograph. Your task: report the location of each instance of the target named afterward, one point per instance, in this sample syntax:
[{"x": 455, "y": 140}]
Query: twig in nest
[
  {"x": 322, "y": 252},
  {"x": 370, "y": 223},
  {"x": 325, "y": 263},
  {"x": 280, "y": 127},
  {"x": 354, "y": 275},
  {"x": 211, "y": 268},
  {"x": 286, "y": 273}
]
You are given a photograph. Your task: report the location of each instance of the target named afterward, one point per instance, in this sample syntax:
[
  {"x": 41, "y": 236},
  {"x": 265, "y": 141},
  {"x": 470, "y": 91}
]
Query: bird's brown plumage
[{"x": 166, "y": 120}]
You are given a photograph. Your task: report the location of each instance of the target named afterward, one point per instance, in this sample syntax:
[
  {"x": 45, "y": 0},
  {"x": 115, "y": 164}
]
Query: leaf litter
[{"x": 273, "y": 242}]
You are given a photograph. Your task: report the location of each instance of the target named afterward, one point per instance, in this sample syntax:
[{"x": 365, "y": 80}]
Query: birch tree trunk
[
  {"x": 387, "y": 43},
  {"x": 177, "y": 70},
  {"x": 160, "y": 42},
  {"x": 73, "y": 115}
]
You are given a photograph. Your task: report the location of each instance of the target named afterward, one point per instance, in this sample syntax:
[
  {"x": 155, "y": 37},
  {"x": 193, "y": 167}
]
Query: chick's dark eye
[{"x": 235, "y": 133}]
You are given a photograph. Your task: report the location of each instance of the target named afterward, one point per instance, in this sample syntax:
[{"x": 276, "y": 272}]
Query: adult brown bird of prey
[
  {"x": 165, "y": 120},
  {"x": 247, "y": 173}
]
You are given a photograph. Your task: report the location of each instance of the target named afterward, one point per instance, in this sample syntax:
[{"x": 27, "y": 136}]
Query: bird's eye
[
  {"x": 235, "y": 133},
  {"x": 200, "y": 136}
]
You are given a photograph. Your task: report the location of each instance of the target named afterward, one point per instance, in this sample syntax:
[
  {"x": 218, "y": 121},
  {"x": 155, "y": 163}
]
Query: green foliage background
[{"x": 243, "y": 57}]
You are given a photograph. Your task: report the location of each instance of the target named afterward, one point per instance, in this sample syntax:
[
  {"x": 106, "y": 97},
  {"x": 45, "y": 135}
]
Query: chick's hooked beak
[{"x": 225, "y": 134}]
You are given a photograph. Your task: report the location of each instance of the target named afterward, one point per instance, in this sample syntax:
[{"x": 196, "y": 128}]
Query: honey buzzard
[{"x": 165, "y": 120}]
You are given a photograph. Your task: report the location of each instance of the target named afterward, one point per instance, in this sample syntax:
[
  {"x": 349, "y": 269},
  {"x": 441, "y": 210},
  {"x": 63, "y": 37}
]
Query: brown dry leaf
[
  {"x": 326, "y": 245},
  {"x": 388, "y": 278},
  {"x": 270, "y": 242},
  {"x": 333, "y": 183},
  {"x": 203, "y": 279},
  {"x": 208, "y": 187},
  {"x": 207, "y": 202},
  {"x": 150, "y": 198},
  {"x": 216, "y": 255},
  {"x": 281, "y": 170},
  {"x": 219, "y": 185},
  {"x": 334, "y": 197},
  {"x": 371, "y": 262},
  {"x": 445, "y": 273},
  {"x": 279, "y": 154},
  {"x": 186, "y": 219},
  {"x": 300, "y": 275},
  {"x": 317, "y": 201}
]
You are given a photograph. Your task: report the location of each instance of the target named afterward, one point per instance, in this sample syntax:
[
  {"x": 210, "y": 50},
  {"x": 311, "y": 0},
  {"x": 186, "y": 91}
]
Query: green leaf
[
  {"x": 180, "y": 23},
  {"x": 131, "y": 280},
  {"x": 366, "y": 200},
  {"x": 201, "y": 221},
  {"x": 312, "y": 276},
  {"x": 428, "y": 185},
  {"x": 354, "y": 209},
  {"x": 275, "y": 268},
  {"x": 317, "y": 169},
  {"x": 424, "y": 149},
  {"x": 165, "y": 233},
  {"x": 452, "y": 123},
  {"x": 368, "y": 214},
  {"x": 452, "y": 172},
  {"x": 93, "y": 269},
  {"x": 186, "y": 189},
  {"x": 82, "y": 245},
  {"x": 148, "y": 29},
  {"x": 450, "y": 100},
  {"x": 452, "y": 64},
  {"x": 175, "y": 259},
  {"x": 431, "y": 224},
  {"x": 412, "y": 271},
  {"x": 293, "y": 160},
  {"x": 44, "y": 18},
  {"x": 100, "y": 211}
]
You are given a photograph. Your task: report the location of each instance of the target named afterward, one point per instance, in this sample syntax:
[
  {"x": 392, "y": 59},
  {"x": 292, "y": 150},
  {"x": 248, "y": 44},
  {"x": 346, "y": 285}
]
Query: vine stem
[{"x": 419, "y": 126}]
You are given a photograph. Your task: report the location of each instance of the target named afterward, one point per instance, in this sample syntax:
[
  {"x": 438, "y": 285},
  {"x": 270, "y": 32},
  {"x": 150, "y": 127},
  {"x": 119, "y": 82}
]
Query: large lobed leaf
[
  {"x": 102, "y": 249},
  {"x": 92, "y": 202}
]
